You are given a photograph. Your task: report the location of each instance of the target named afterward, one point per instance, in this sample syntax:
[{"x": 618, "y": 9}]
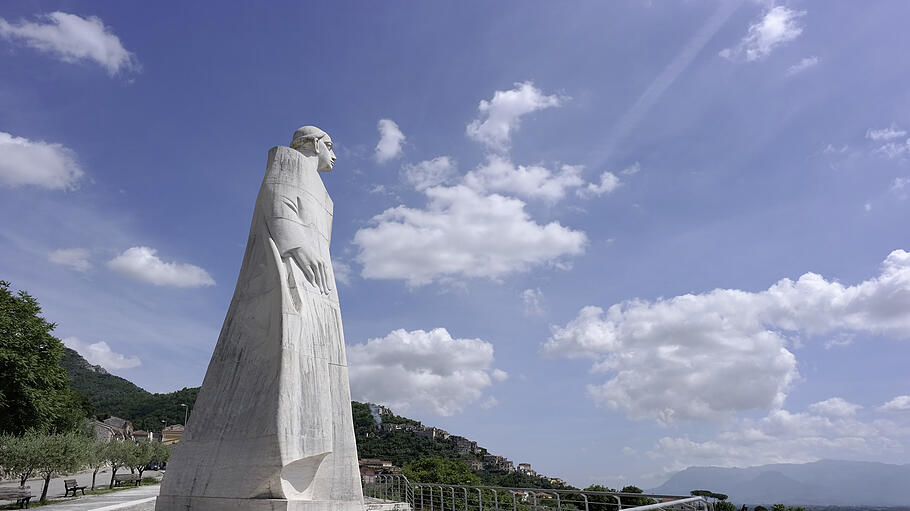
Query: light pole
[{"x": 186, "y": 412}]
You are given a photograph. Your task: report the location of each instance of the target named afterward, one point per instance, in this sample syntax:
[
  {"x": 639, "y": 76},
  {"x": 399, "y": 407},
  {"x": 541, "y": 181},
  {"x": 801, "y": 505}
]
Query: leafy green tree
[
  {"x": 20, "y": 456},
  {"x": 440, "y": 470},
  {"x": 761, "y": 508},
  {"x": 33, "y": 391},
  {"x": 778, "y": 507},
  {"x": 96, "y": 459},
  {"x": 143, "y": 453},
  {"x": 118, "y": 454},
  {"x": 723, "y": 505},
  {"x": 61, "y": 453},
  {"x": 601, "y": 502},
  {"x": 635, "y": 501},
  {"x": 161, "y": 453}
]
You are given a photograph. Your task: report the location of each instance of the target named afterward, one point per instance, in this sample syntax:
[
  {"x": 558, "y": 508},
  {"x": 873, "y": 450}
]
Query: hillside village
[{"x": 385, "y": 425}]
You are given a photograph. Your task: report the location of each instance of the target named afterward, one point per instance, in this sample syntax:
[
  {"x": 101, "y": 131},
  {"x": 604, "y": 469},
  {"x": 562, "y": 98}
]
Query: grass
[{"x": 101, "y": 490}]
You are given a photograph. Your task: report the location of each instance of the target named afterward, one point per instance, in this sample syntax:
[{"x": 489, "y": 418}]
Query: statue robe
[{"x": 273, "y": 418}]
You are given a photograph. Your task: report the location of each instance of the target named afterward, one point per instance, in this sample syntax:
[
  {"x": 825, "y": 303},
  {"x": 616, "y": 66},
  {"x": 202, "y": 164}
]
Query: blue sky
[{"x": 612, "y": 239}]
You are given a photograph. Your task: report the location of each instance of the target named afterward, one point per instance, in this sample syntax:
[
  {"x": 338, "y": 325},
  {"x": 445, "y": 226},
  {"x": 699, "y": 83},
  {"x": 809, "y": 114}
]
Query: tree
[
  {"x": 635, "y": 501},
  {"x": 61, "y": 453},
  {"x": 601, "y": 502},
  {"x": 778, "y": 507},
  {"x": 440, "y": 470},
  {"x": 143, "y": 453},
  {"x": 160, "y": 453},
  {"x": 761, "y": 508},
  {"x": 33, "y": 391},
  {"x": 20, "y": 456},
  {"x": 723, "y": 505},
  {"x": 119, "y": 453},
  {"x": 96, "y": 459}
]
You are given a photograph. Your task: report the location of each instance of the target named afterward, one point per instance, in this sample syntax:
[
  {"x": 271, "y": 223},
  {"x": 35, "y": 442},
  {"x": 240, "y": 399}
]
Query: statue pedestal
[{"x": 219, "y": 504}]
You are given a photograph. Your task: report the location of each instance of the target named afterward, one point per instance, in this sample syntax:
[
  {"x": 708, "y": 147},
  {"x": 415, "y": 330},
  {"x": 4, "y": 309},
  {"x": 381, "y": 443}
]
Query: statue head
[{"x": 311, "y": 140}]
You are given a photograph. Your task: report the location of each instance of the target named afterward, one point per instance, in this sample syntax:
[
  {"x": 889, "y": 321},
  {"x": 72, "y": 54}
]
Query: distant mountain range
[{"x": 821, "y": 483}]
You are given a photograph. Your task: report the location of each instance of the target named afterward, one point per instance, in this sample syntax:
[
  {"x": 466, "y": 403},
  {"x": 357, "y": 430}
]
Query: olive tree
[{"x": 62, "y": 453}]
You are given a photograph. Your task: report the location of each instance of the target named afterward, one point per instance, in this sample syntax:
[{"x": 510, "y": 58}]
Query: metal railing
[{"x": 455, "y": 497}]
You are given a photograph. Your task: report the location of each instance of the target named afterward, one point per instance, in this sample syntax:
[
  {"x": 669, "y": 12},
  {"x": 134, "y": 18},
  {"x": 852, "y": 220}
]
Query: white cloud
[
  {"x": 608, "y": 183},
  {"x": 532, "y": 299},
  {"x": 704, "y": 356},
  {"x": 99, "y": 353},
  {"x": 802, "y": 65},
  {"x": 142, "y": 264},
  {"x": 429, "y": 173},
  {"x": 885, "y": 134},
  {"x": 460, "y": 233},
  {"x": 75, "y": 258},
  {"x": 867, "y": 206},
  {"x": 894, "y": 149},
  {"x": 840, "y": 340},
  {"x": 390, "y": 139},
  {"x": 785, "y": 437},
  {"x": 498, "y": 174},
  {"x": 631, "y": 170},
  {"x": 502, "y": 114},
  {"x": 898, "y": 404},
  {"x": 500, "y": 375},
  {"x": 834, "y": 407},
  {"x": 36, "y": 163},
  {"x": 778, "y": 26},
  {"x": 71, "y": 38},
  {"x": 343, "y": 272},
  {"x": 420, "y": 370}
]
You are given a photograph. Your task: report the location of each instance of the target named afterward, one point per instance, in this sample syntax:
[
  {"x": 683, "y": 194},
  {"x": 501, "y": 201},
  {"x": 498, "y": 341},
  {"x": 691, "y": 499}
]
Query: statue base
[{"x": 175, "y": 503}]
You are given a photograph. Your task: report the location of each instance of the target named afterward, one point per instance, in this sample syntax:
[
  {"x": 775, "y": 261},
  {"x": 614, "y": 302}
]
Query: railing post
[
  {"x": 586, "y": 500},
  {"x": 558, "y": 504},
  {"x": 535, "y": 500},
  {"x": 465, "y": 498},
  {"x": 496, "y": 499},
  {"x": 479, "y": 500}
]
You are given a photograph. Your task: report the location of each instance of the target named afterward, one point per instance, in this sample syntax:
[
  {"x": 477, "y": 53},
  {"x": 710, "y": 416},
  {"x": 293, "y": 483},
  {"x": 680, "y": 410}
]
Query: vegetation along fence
[{"x": 453, "y": 497}]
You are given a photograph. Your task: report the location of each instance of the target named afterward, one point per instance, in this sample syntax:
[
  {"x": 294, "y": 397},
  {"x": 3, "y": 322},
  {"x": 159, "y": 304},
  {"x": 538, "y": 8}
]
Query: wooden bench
[
  {"x": 71, "y": 486},
  {"x": 120, "y": 479},
  {"x": 22, "y": 495}
]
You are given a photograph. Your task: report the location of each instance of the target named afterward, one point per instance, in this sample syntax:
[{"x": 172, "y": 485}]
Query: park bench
[
  {"x": 22, "y": 495},
  {"x": 120, "y": 479},
  {"x": 71, "y": 486}
]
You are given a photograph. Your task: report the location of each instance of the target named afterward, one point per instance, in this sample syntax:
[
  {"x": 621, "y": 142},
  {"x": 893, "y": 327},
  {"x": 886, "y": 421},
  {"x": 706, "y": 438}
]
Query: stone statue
[{"x": 272, "y": 426}]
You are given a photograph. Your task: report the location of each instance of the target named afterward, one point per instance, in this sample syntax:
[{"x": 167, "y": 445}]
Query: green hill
[{"x": 113, "y": 395}]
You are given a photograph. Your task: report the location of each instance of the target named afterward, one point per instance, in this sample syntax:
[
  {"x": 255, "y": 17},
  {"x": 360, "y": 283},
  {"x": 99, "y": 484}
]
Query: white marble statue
[{"x": 272, "y": 426}]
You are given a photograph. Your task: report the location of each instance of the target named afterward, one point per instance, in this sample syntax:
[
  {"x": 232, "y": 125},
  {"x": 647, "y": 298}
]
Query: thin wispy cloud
[
  {"x": 74, "y": 258},
  {"x": 802, "y": 65},
  {"x": 778, "y": 26},
  {"x": 72, "y": 38}
]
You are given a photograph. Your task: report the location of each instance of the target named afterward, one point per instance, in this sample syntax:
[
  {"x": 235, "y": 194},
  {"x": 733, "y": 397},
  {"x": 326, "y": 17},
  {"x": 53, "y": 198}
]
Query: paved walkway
[
  {"x": 56, "y": 489},
  {"x": 141, "y": 498}
]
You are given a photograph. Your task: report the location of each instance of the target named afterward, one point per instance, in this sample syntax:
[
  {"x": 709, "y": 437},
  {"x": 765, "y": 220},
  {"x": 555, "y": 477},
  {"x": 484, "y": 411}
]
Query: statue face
[{"x": 326, "y": 154}]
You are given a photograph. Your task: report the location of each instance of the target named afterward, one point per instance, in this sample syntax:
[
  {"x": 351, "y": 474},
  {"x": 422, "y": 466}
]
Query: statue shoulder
[{"x": 288, "y": 167}]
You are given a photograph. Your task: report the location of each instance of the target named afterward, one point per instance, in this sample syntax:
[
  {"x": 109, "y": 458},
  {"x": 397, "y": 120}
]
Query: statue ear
[{"x": 316, "y": 145}]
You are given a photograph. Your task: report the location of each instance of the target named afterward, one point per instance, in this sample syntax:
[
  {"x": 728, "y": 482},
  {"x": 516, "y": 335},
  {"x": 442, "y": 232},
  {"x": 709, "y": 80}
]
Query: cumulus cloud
[
  {"x": 498, "y": 174},
  {"x": 460, "y": 233},
  {"x": 501, "y": 115},
  {"x": 390, "y": 139},
  {"x": 72, "y": 38},
  {"x": 834, "y": 407},
  {"x": 99, "y": 353},
  {"x": 532, "y": 299},
  {"x": 419, "y": 370},
  {"x": 25, "y": 162},
  {"x": 900, "y": 186},
  {"x": 429, "y": 173},
  {"x": 785, "y": 437},
  {"x": 75, "y": 258},
  {"x": 608, "y": 183},
  {"x": 143, "y": 264},
  {"x": 802, "y": 65},
  {"x": 703, "y": 356},
  {"x": 778, "y": 26},
  {"x": 898, "y": 404}
]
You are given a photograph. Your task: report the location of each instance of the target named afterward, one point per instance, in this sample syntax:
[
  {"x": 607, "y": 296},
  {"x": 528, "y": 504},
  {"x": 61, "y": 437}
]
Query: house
[
  {"x": 368, "y": 474},
  {"x": 475, "y": 464},
  {"x": 172, "y": 434},
  {"x": 142, "y": 435},
  {"x": 556, "y": 480},
  {"x": 525, "y": 468},
  {"x": 465, "y": 446}
]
